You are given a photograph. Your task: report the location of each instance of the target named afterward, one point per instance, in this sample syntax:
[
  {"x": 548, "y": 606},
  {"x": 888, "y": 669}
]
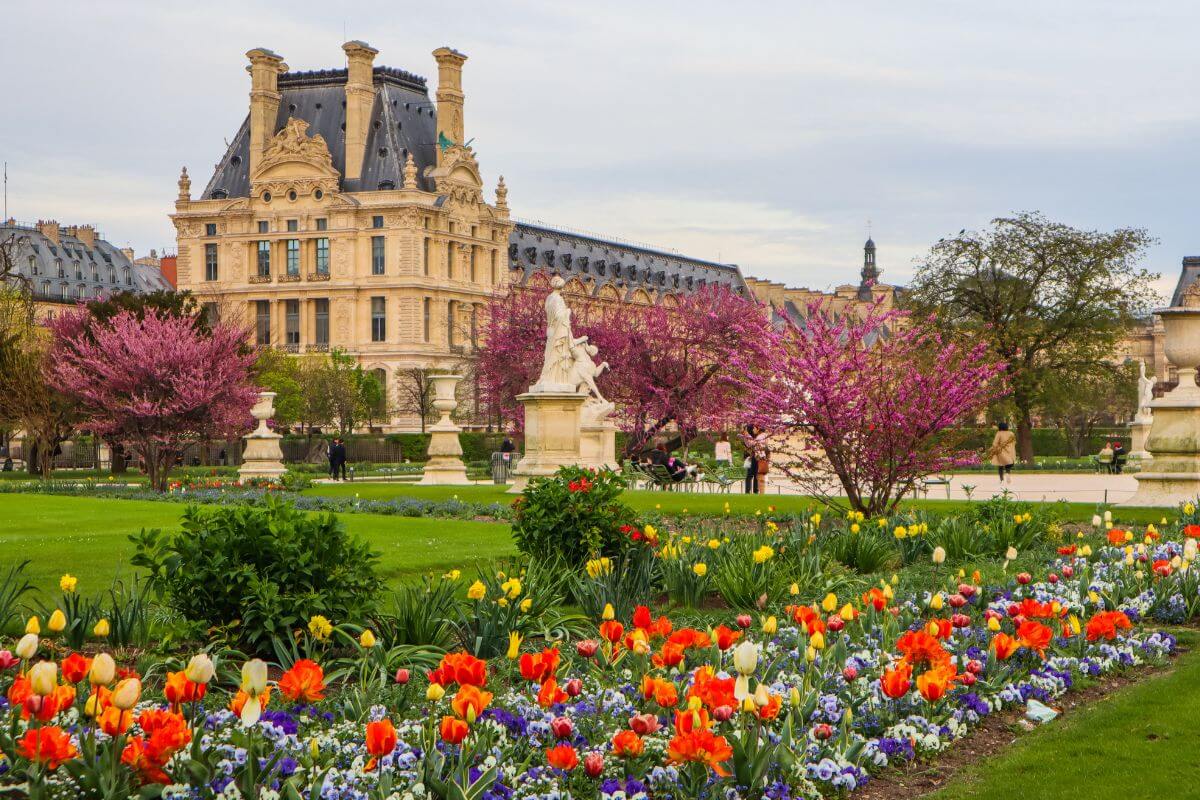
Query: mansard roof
[
  {"x": 536, "y": 247},
  {"x": 403, "y": 120}
]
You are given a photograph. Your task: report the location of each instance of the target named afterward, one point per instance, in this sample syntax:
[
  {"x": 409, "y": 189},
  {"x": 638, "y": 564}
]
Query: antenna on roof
[{"x": 868, "y": 228}]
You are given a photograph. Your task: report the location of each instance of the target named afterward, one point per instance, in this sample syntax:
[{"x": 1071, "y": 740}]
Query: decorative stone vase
[
  {"x": 262, "y": 457},
  {"x": 1172, "y": 475},
  {"x": 445, "y": 465}
]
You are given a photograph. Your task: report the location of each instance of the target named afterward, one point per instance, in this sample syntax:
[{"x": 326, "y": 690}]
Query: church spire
[{"x": 870, "y": 271}]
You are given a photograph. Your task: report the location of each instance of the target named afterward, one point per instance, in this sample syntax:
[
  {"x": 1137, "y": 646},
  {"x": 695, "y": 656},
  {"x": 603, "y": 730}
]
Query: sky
[{"x": 766, "y": 134}]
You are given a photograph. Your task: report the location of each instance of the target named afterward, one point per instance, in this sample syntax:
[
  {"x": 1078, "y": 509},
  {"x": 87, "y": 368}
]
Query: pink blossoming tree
[
  {"x": 157, "y": 383},
  {"x": 864, "y": 406},
  {"x": 669, "y": 364}
]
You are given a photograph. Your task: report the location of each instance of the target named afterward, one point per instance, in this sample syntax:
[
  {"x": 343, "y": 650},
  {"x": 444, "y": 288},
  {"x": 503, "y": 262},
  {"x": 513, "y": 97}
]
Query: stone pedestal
[
  {"x": 552, "y": 436},
  {"x": 597, "y": 435},
  {"x": 262, "y": 458},
  {"x": 445, "y": 465},
  {"x": 1139, "y": 430},
  {"x": 1172, "y": 475}
]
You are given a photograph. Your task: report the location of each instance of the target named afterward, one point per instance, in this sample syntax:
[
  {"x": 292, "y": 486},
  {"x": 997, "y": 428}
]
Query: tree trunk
[
  {"x": 1024, "y": 436},
  {"x": 47, "y": 461}
]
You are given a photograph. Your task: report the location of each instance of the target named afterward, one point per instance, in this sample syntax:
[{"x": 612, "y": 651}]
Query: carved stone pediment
[
  {"x": 296, "y": 161},
  {"x": 457, "y": 176}
]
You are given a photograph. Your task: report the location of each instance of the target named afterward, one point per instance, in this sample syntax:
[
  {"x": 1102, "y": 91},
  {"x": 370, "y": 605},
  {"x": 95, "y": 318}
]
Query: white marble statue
[
  {"x": 1146, "y": 385},
  {"x": 558, "y": 361},
  {"x": 584, "y": 370}
]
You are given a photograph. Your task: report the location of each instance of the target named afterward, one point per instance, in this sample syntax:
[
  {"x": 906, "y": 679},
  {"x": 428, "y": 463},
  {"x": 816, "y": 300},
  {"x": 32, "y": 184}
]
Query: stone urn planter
[
  {"x": 445, "y": 464},
  {"x": 262, "y": 457}
]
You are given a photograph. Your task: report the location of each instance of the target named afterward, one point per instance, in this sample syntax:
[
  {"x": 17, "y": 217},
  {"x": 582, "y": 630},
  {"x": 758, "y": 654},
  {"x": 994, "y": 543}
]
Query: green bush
[
  {"x": 259, "y": 572},
  {"x": 574, "y": 515}
]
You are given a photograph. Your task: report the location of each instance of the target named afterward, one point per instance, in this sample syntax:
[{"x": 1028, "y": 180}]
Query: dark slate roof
[
  {"x": 403, "y": 120},
  {"x": 1188, "y": 276},
  {"x": 534, "y": 247},
  {"x": 104, "y": 269}
]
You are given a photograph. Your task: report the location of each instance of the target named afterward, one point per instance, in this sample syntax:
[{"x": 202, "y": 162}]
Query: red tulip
[
  {"x": 561, "y": 727},
  {"x": 835, "y": 622},
  {"x": 723, "y": 713},
  {"x": 850, "y": 674},
  {"x": 643, "y": 724},
  {"x": 587, "y": 648},
  {"x": 1052, "y": 578},
  {"x": 966, "y": 590},
  {"x": 574, "y": 687},
  {"x": 402, "y": 676},
  {"x": 822, "y": 731},
  {"x": 1024, "y": 578},
  {"x": 957, "y": 600},
  {"x": 968, "y": 679},
  {"x": 744, "y": 621},
  {"x": 1068, "y": 571},
  {"x": 593, "y": 764},
  {"x": 960, "y": 621}
]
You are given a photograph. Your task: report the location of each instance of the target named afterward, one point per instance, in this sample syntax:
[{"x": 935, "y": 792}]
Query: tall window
[
  {"x": 425, "y": 255},
  {"x": 474, "y": 325},
  {"x": 129, "y": 276},
  {"x": 64, "y": 291},
  {"x": 33, "y": 265},
  {"x": 78, "y": 271},
  {"x": 61, "y": 272},
  {"x": 450, "y": 322},
  {"x": 322, "y": 256},
  {"x": 264, "y": 226},
  {"x": 291, "y": 321},
  {"x": 427, "y": 320},
  {"x": 377, "y": 255},
  {"x": 321, "y": 313},
  {"x": 262, "y": 322},
  {"x": 210, "y": 262},
  {"x": 378, "y": 319},
  {"x": 293, "y": 256},
  {"x": 264, "y": 259}
]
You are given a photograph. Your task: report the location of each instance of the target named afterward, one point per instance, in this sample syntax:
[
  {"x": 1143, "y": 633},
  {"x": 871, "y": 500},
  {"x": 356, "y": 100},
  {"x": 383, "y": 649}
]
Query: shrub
[
  {"x": 260, "y": 572},
  {"x": 866, "y": 552},
  {"x": 575, "y": 515}
]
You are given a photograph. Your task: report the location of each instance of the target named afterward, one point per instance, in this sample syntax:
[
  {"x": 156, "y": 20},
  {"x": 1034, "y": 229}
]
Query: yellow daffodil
[
  {"x": 453, "y": 575},
  {"x": 512, "y": 588},
  {"x": 854, "y": 527},
  {"x": 701, "y": 569},
  {"x": 67, "y": 583},
  {"x": 815, "y": 519},
  {"x": 476, "y": 591},
  {"x": 319, "y": 627},
  {"x": 763, "y": 554},
  {"x": 526, "y": 604}
]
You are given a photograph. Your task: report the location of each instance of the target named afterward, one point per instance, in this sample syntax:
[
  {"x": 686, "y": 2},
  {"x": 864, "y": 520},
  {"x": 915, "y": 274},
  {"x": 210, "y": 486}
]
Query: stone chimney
[
  {"x": 449, "y": 97},
  {"x": 360, "y": 98},
  {"x": 128, "y": 253},
  {"x": 87, "y": 235},
  {"x": 265, "y": 69},
  {"x": 49, "y": 229}
]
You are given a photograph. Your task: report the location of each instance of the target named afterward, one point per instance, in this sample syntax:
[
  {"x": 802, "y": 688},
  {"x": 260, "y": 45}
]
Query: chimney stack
[
  {"x": 265, "y": 69},
  {"x": 360, "y": 98},
  {"x": 49, "y": 229},
  {"x": 449, "y": 96},
  {"x": 87, "y": 235},
  {"x": 128, "y": 253}
]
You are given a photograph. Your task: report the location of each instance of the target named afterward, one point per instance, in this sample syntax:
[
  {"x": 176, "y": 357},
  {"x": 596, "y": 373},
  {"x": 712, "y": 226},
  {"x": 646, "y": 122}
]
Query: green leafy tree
[
  {"x": 1052, "y": 301},
  {"x": 1080, "y": 402},
  {"x": 280, "y": 372}
]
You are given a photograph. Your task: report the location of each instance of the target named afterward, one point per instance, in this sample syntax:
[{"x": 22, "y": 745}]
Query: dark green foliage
[
  {"x": 260, "y": 572},
  {"x": 866, "y": 552},
  {"x": 577, "y": 514}
]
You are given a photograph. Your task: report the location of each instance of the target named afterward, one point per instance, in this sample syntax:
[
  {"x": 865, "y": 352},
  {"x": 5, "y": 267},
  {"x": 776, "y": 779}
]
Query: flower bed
[{"x": 797, "y": 701}]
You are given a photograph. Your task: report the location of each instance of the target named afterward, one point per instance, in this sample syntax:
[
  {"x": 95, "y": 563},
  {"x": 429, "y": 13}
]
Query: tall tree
[
  {"x": 1081, "y": 402},
  {"x": 863, "y": 405},
  {"x": 28, "y": 402},
  {"x": 1049, "y": 299},
  {"x": 414, "y": 394},
  {"x": 156, "y": 383}
]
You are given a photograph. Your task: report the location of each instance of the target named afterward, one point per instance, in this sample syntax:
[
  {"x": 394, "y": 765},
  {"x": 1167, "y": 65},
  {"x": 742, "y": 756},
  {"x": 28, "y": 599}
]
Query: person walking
[
  {"x": 762, "y": 463},
  {"x": 723, "y": 451},
  {"x": 337, "y": 459},
  {"x": 750, "y": 463},
  {"x": 331, "y": 455},
  {"x": 1003, "y": 452}
]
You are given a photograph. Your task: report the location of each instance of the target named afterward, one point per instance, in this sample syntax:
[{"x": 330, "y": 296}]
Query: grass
[
  {"x": 675, "y": 503},
  {"x": 1142, "y": 741},
  {"x": 88, "y": 537}
]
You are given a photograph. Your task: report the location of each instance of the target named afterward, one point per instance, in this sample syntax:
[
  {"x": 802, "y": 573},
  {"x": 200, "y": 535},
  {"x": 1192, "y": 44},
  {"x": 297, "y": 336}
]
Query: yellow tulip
[
  {"x": 367, "y": 639},
  {"x": 829, "y": 604},
  {"x": 128, "y": 691},
  {"x": 817, "y": 640},
  {"x": 847, "y": 612},
  {"x": 101, "y": 629},
  {"x": 608, "y": 613},
  {"x": 993, "y": 624},
  {"x": 103, "y": 670},
  {"x": 57, "y": 621},
  {"x": 200, "y": 669},
  {"x": 794, "y": 589},
  {"x": 794, "y": 697},
  {"x": 1075, "y": 625},
  {"x": 435, "y": 692},
  {"x": 514, "y": 645},
  {"x": 43, "y": 677},
  {"x": 936, "y": 602},
  {"x": 810, "y": 654},
  {"x": 476, "y": 591},
  {"x": 33, "y": 626},
  {"x": 770, "y": 625}
]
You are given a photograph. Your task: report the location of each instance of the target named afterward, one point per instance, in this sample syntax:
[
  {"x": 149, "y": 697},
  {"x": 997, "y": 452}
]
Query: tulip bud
[
  {"x": 794, "y": 697},
  {"x": 810, "y": 654},
  {"x": 103, "y": 670},
  {"x": 850, "y": 674},
  {"x": 561, "y": 727},
  {"x": 101, "y": 629},
  {"x": 57, "y": 621},
  {"x": 817, "y": 640},
  {"x": 822, "y": 731},
  {"x": 574, "y": 687},
  {"x": 200, "y": 669},
  {"x": 435, "y": 692},
  {"x": 643, "y": 724},
  {"x": 770, "y": 625},
  {"x": 748, "y": 705},
  {"x": 587, "y": 648},
  {"x": 43, "y": 677},
  {"x": 609, "y": 613},
  {"x": 745, "y": 658},
  {"x": 402, "y": 676},
  {"x": 723, "y": 713},
  {"x": 92, "y": 707},
  {"x": 7, "y": 659},
  {"x": 744, "y": 621},
  {"x": 1010, "y": 554},
  {"x": 367, "y": 639},
  {"x": 33, "y": 626},
  {"x": 127, "y": 693},
  {"x": 254, "y": 677},
  {"x": 33, "y": 704},
  {"x": 975, "y": 666},
  {"x": 593, "y": 764},
  {"x": 939, "y": 555},
  {"x": 27, "y": 647}
]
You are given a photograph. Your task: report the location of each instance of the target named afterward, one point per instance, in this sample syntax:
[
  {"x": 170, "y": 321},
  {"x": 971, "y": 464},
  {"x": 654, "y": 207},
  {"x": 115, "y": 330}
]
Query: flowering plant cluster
[{"x": 798, "y": 701}]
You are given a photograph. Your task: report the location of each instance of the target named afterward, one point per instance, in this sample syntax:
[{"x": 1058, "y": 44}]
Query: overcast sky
[{"x": 760, "y": 133}]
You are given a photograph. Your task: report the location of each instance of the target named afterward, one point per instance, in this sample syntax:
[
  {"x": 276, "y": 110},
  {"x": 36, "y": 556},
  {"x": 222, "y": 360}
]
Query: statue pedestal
[
  {"x": 263, "y": 457},
  {"x": 1139, "y": 429},
  {"x": 552, "y": 435},
  {"x": 445, "y": 464},
  {"x": 1172, "y": 475},
  {"x": 598, "y": 446}
]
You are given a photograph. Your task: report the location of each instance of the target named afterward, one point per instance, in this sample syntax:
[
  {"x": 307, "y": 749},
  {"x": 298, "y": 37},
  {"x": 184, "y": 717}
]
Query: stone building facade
[{"x": 349, "y": 213}]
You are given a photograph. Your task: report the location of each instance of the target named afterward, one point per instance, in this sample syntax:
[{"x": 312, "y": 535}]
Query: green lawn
[
  {"x": 696, "y": 503},
  {"x": 88, "y": 538},
  {"x": 1142, "y": 742}
]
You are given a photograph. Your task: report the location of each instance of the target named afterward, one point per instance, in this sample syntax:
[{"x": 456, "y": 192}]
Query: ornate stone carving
[
  {"x": 342, "y": 321},
  {"x": 341, "y": 259},
  {"x": 185, "y": 187},
  {"x": 410, "y": 173},
  {"x": 293, "y": 143},
  {"x": 457, "y": 176},
  {"x": 501, "y": 196}
]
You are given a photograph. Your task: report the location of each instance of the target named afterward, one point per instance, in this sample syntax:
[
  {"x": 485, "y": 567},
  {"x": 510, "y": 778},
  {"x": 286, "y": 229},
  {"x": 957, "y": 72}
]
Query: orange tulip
[
  {"x": 381, "y": 740},
  {"x": 541, "y": 666},
  {"x": 75, "y": 667},
  {"x": 461, "y": 668},
  {"x": 562, "y": 757},
  {"x": 181, "y": 690},
  {"x": 612, "y": 630},
  {"x": 470, "y": 702},
  {"x": 48, "y": 745},
  {"x": 627, "y": 744},
  {"x": 934, "y": 683},
  {"x": 304, "y": 682},
  {"x": 1004, "y": 646},
  {"x": 114, "y": 721},
  {"x": 550, "y": 694},
  {"x": 896, "y": 682},
  {"x": 454, "y": 730},
  {"x": 1035, "y": 636},
  {"x": 700, "y": 746},
  {"x": 1104, "y": 624}
]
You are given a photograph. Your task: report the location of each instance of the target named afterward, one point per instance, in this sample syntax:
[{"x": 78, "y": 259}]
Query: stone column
[
  {"x": 445, "y": 464},
  {"x": 263, "y": 458},
  {"x": 1173, "y": 474}
]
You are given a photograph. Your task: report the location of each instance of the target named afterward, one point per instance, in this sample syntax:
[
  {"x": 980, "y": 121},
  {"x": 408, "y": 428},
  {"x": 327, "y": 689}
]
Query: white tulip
[
  {"x": 745, "y": 658},
  {"x": 761, "y": 696},
  {"x": 1011, "y": 554},
  {"x": 27, "y": 647},
  {"x": 200, "y": 669},
  {"x": 939, "y": 555},
  {"x": 254, "y": 677},
  {"x": 103, "y": 670},
  {"x": 1108, "y": 516},
  {"x": 1096, "y": 521},
  {"x": 251, "y": 711},
  {"x": 43, "y": 678}
]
